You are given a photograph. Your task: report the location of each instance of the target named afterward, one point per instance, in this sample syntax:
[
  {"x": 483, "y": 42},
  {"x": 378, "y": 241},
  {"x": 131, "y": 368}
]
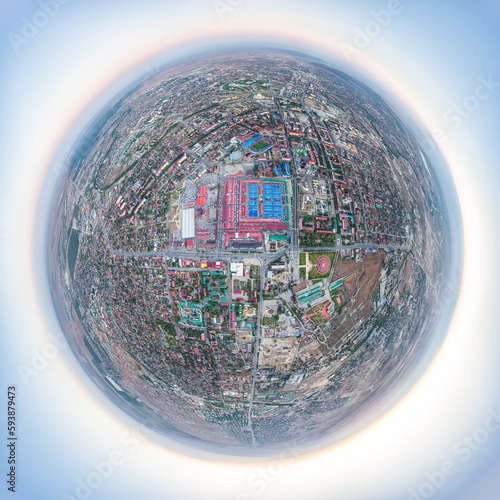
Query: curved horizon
[{"x": 451, "y": 396}]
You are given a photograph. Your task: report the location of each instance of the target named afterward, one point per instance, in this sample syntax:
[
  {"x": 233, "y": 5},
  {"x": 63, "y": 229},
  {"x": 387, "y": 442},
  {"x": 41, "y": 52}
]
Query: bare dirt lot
[{"x": 360, "y": 282}]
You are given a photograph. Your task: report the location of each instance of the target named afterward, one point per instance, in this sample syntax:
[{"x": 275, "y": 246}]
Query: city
[{"x": 249, "y": 251}]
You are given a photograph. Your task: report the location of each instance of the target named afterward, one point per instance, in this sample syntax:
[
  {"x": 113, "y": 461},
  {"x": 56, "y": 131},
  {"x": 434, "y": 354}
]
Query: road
[
  {"x": 266, "y": 257},
  {"x": 263, "y": 272},
  {"x": 294, "y": 257}
]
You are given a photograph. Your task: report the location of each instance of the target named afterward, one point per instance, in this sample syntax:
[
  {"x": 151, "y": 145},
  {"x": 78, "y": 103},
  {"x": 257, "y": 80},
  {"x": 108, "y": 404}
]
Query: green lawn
[
  {"x": 260, "y": 145},
  {"x": 313, "y": 257}
]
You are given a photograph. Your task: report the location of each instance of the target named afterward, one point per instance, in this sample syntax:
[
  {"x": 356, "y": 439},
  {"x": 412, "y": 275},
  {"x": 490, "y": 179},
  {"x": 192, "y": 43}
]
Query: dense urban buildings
[{"x": 247, "y": 250}]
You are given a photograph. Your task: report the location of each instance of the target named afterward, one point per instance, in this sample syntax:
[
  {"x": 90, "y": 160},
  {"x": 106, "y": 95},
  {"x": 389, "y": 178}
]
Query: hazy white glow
[{"x": 452, "y": 398}]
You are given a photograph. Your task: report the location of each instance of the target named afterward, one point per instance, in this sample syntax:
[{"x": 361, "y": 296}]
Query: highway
[
  {"x": 294, "y": 257},
  {"x": 266, "y": 257}
]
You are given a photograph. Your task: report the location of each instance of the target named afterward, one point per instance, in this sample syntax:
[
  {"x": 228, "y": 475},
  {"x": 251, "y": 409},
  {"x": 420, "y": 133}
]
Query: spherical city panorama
[{"x": 247, "y": 250}]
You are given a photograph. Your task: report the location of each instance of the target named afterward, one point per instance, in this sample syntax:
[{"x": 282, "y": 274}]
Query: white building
[
  {"x": 236, "y": 269},
  {"x": 187, "y": 220}
]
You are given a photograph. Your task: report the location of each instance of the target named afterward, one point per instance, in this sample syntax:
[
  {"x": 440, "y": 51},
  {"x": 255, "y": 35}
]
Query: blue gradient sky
[{"x": 430, "y": 56}]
